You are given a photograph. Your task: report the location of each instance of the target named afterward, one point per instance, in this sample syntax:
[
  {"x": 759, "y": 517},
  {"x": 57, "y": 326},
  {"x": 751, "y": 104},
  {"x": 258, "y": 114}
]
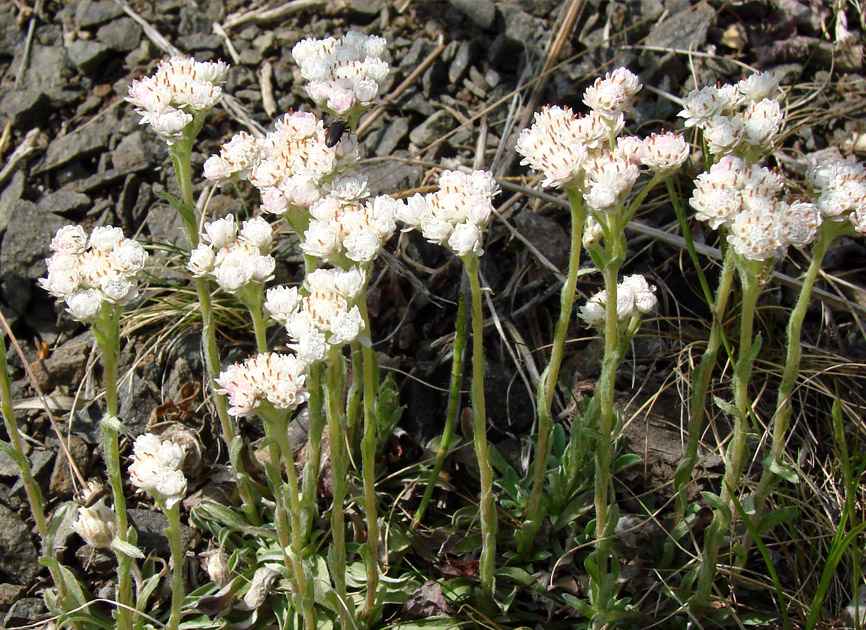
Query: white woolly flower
[
  {"x": 635, "y": 297},
  {"x": 221, "y": 232},
  {"x": 798, "y": 223},
  {"x": 554, "y": 145},
  {"x": 344, "y": 75},
  {"x": 236, "y": 158},
  {"x": 180, "y": 90},
  {"x": 86, "y": 273},
  {"x": 752, "y": 233},
  {"x": 702, "y": 105},
  {"x": 761, "y": 122},
  {"x": 723, "y": 134},
  {"x": 201, "y": 260},
  {"x": 257, "y": 232},
  {"x": 156, "y": 469},
  {"x": 664, "y": 152},
  {"x": 96, "y": 524},
  {"x": 610, "y": 183},
  {"x": 760, "y": 86},
  {"x": 70, "y": 239},
  {"x": 281, "y": 303},
  {"x": 614, "y": 94},
  {"x": 278, "y": 379},
  {"x": 840, "y": 190}
]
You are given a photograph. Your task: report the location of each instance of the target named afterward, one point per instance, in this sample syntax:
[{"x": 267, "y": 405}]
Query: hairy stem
[
  {"x": 550, "y": 376},
  {"x": 177, "y": 563},
  {"x": 487, "y": 564}
]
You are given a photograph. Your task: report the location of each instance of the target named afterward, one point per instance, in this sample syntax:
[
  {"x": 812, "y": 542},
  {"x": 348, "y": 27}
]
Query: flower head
[
  {"x": 635, "y": 297},
  {"x": 96, "y": 524},
  {"x": 614, "y": 94},
  {"x": 88, "y": 273},
  {"x": 180, "y": 90},
  {"x": 277, "y": 379},
  {"x": 156, "y": 469},
  {"x": 234, "y": 258}
]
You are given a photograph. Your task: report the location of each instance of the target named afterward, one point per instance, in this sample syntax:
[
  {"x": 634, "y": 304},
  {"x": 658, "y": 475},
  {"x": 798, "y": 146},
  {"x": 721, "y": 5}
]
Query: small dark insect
[{"x": 335, "y": 133}]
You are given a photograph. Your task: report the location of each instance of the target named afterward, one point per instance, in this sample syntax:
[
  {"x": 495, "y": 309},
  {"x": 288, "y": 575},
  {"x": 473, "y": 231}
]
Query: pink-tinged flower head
[
  {"x": 702, "y": 105},
  {"x": 235, "y": 159},
  {"x": 753, "y": 233},
  {"x": 554, "y": 145},
  {"x": 156, "y": 469},
  {"x": 276, "y": 378},
  {"x": 798, "y": 223},
  {"x": 664, "y": 152},
  {"x": 180, "y": 90},
  {"x": 614, "y": 94},
  {"x": 839, "y": 189},
  {"x": 761, "y": 122}
]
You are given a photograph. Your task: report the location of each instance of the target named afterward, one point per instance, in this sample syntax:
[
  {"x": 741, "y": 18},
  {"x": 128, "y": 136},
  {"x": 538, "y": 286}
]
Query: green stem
[
  {"x": 750, "y": 273},
  {"x": 782, "y": 417},
  {"x": 697, "y": 405},
  {"x": 315, "y": 428},
  {"x": 487, "y": 564},
  {"x": 180, "y": 153},
  {"x": 107, "y": 332},
  {"x": 353, "y": 400},
  {"x": 368, "y": 464},
  {"x": 177, "y": 562},
  {"x": 306, "y": 590},
  {"x": 614, "y": 251},
  {"x": 339, "y": 477},
  {"x": 453, "y": 406},
  {"x": 550, "y": 376},
  {"x": 252, "y": 296}
]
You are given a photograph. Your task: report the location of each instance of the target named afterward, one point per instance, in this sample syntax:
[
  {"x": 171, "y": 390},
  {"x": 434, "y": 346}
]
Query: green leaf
[
  {"x": 518, "y": 575},
  {"x": 727, "y": 407},
  {"x": 18, "y": 458},
  {"x": 626, "y": 461},
  {"x": 785, "y": 472},
  {"x": 128, "y": 550},
  {"x": 716, "y": 502},
  {"x": 185, "y": 213},
  {"x": 113, "y": 423}
]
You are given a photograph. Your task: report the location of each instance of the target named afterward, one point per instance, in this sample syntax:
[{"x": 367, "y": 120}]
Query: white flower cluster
[
  {"x": 839, "y": 189},
  {"x": 635, "y": 297},
  {"x": 88, "y": 273},
  {"x": 577, "y": 150},
  {"x": 156, "y": 469},
  {"x": 270, "y": 377},
  {"x": 180, "y": 90},
  {"x": 96, "y": 524},
  {"x": 457, "y": 214},
  {"x": 345, "y": 74},
  {"x": 289, "y": 165},
  {"x": 344, "y": 225},
  {"x": 745, "y": 199},
  {"x": 326, "y": 316},
  {"x": 234, "y": 258},
  {"x": 736, "y": 119}
]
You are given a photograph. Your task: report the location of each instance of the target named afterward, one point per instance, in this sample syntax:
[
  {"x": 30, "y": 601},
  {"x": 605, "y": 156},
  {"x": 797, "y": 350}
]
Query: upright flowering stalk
[
  {"x": 456, "y": 216},
  {"x": 738, "y": 120},
  {"x": 156, "y": 470},
  {"x": 598, "y": 170},
  {"x": 271, "y": 386},
  {"x": 320, "y": 323},
  {"x": 759, "y": 226},
  {"x": 96, "y": 277},
  {"x": 175, "y": 102},
  {"x": 839, "y": 194},
  {"x": 239, "y": 262}
]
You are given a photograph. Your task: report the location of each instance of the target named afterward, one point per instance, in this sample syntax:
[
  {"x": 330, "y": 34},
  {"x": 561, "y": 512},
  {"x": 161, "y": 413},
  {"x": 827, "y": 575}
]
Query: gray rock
[
  {"x": 686, "y": 29},
  {"x": 460, "y": 64},
  {"x": 25, "y": 109},
  {"x": 522, "y": 32},
  {"x": 151, "y": 527},
  {"x": 9, "y": 594},
  {"x": 74, "y": 146},
  {"x": 417, "y": 103},
  {"x": 13, "y": 34},
  {"x": 386, "y": 176},
  {"x": 251, "y": 57},
  {"x": 87, "y": 55},
  {"x": 122, "y": 35},
  {"x": 8, "y": 467},
  {"x": 133, "y": 151},
  {"x": 492, "y": 78},
  {"x": 90, "y": 14},
  {"x": 137, "y": 400},
  {"x": 432, "y": 129},
  {"x": 482, "y": 12},
  {"x": 196, "y": 42},
  {"x": 64, "y": 201},
  {"x": 24, "y": 249},
  {"x": 48, "y": 70},
  {"x": 67, "y": 514},
  {"x": 388, "y": 137},
  {"x": 18, "y": 556},
  {"x": 61, "y": 482},
  {"x": 165, "y": 225},
  {"x": 855, "y": 612},
  {"x": 107, "y": 178},
  {"x": 10, "y": 197},
  {"x": 86, "y": 423},
  {"x": 25, "y": 612},
  {"x": 367, "y": 8}
]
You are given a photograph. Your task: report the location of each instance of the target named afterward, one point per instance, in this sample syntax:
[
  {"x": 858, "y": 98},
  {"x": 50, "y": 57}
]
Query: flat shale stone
[
  {"x": 89, "y": 14},
  {"x": 64, "y": 201},
  {"x": 122, "y": 35},
  {"x": 18, "y": 556},
  {"x": 25, "y": 109}
]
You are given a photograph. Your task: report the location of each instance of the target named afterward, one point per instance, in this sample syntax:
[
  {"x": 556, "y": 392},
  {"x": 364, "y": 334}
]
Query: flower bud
[{"x": 96, "y": 525}]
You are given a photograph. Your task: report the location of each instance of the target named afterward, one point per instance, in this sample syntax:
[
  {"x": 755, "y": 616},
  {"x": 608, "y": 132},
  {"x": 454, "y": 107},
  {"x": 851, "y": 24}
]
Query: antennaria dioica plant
[{"x": 344, "y": 573}]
